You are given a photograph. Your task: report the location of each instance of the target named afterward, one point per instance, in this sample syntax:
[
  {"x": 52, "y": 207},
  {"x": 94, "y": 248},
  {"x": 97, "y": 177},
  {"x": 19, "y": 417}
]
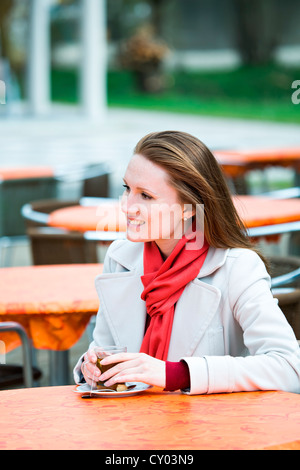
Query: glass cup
[{"x": 102, "y": 352}]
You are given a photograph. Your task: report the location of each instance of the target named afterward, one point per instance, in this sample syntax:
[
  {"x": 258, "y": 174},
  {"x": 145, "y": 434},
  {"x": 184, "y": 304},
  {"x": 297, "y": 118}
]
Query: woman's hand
[
  {"x": 89, "y": 369},
  {"x": 133, "y": 367}
]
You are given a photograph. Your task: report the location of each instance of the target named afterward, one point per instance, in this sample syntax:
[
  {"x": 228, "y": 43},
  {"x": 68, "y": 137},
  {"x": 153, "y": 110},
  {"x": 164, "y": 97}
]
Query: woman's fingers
[
  {"x": 120, "y": 357},
  {"x": 90, "y": 356},
  {"x": 119, "y": 368},
  {"x": 125, "y": 367},
  {"x": 123, "y": 361},
  {"x": 89, "y": 369},
  {"x": 136, "y": 367}
]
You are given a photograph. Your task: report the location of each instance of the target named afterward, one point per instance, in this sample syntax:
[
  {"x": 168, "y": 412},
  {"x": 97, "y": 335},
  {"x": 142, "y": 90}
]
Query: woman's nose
[{"x": 129, "y": 206}]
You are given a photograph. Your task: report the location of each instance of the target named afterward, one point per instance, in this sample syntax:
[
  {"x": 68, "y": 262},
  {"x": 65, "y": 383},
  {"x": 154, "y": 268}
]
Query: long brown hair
[{"x": 195, "y": 173}]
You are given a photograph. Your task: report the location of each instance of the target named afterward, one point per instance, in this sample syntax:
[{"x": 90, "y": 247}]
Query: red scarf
[{"x": 164, "y": 282}]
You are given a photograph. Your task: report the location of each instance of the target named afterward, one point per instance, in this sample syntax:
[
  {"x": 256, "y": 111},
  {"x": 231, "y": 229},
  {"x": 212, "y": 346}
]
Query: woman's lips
[{"x": 134, "y": 222}]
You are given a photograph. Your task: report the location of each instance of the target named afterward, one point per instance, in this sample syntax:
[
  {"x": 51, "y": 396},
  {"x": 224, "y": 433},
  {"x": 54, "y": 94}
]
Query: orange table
[
  {"x": 57, "y": 418},
  {"x": 11, "y": 173},
  {"x": 256, "y": 212},
  {"x": 237, "y": 163},
  {"x": 103, "y": 217},
  {"x": 53, "y": 303}
]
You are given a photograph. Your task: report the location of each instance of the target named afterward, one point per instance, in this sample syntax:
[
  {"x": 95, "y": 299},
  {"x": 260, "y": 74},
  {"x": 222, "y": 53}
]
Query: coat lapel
[
  {"x": 123, "y": 308},
  {"x": 194, "y": 312}
]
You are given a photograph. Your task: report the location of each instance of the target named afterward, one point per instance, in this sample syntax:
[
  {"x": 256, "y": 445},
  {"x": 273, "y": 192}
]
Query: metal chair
[
  {"x": 96, "y": 182},
  {"x": 10, "y": 374},
  {"x": 289, "y": 193},
  {"x": 285, "y": 285},
  {"x": 94, "y": 178},
  {"x": 14, "y": 193},
  {"x": 51, "y": 245},
  {"x": 285, "y": 271},
  {"x": 57, "y": 246},
  {"x": 289, "y": 302},
  {"x": 36, "y": 213}
]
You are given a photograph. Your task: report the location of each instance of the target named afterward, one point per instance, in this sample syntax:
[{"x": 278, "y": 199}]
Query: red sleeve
[{"x": 177, "y": 376}]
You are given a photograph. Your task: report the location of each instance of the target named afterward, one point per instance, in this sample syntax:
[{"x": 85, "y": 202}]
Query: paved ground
[{"x": 64, "y": 137}]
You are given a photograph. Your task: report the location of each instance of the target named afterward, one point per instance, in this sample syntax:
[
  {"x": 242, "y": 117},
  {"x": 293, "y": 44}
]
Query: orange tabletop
[
  {"x": 237, "y": 163},
  {"x": 25, "y": 173},
  {"x": 258, "y": 211},
  {"x": 57, "y": 418},
  {"x": 84, "y": 218},
  {"x": 255, "y": 211},
  {"x": 53, "y": 303}
]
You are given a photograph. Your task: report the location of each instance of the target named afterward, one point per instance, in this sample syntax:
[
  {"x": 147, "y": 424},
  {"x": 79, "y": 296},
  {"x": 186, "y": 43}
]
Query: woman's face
[{"x": 152, "y": 206}]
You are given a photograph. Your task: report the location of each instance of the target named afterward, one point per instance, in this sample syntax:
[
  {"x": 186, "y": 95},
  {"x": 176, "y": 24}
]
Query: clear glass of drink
[{"x": 102, "y": 352}]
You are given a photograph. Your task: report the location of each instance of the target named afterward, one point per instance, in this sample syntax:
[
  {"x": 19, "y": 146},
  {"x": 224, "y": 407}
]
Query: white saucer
[{"x": 86, "y": 390}]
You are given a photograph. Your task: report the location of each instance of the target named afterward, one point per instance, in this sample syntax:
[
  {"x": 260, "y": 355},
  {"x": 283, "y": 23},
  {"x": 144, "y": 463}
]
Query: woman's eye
[{"x": 144, "y": 195}]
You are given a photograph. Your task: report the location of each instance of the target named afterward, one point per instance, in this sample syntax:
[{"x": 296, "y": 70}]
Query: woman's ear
[{"x": 188, "y": 212}]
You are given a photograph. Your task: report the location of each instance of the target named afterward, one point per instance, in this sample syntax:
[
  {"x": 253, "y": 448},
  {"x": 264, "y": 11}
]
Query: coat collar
[{"x": 130, "y": 255}]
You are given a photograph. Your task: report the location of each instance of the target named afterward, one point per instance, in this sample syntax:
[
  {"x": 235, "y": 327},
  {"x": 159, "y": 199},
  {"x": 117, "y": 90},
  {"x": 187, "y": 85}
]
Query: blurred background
[
  {"x": 84, "y": 80},
  {"x": 93, "y": 64},
  {"x": 191, "y": 56}
]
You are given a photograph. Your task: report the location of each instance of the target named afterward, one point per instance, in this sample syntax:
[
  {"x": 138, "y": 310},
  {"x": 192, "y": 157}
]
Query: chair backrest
[
  {"x": 55, "y": 246},
  {"x": 289, "y": 302},
  {"x": 94, "y": 178},
  {"x": 96, "y": 186},
  {"x": 285, "y": 283},
  {"x": 14, "y": 193},
  {"x": 35, "y": 211},
  {"x": 285, "y": 271}
]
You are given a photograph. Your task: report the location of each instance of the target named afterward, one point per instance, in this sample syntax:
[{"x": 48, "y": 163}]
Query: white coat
[{"x": 227, "y": 326}]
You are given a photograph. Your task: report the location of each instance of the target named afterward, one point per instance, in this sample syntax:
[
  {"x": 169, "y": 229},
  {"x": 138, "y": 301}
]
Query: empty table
[
  {"x": 58, "y": 418},
  {"x": 54, "y": 304}
]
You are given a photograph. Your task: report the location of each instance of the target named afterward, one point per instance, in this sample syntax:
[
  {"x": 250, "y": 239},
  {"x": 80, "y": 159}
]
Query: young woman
[{"x": 186, "y": 292}]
